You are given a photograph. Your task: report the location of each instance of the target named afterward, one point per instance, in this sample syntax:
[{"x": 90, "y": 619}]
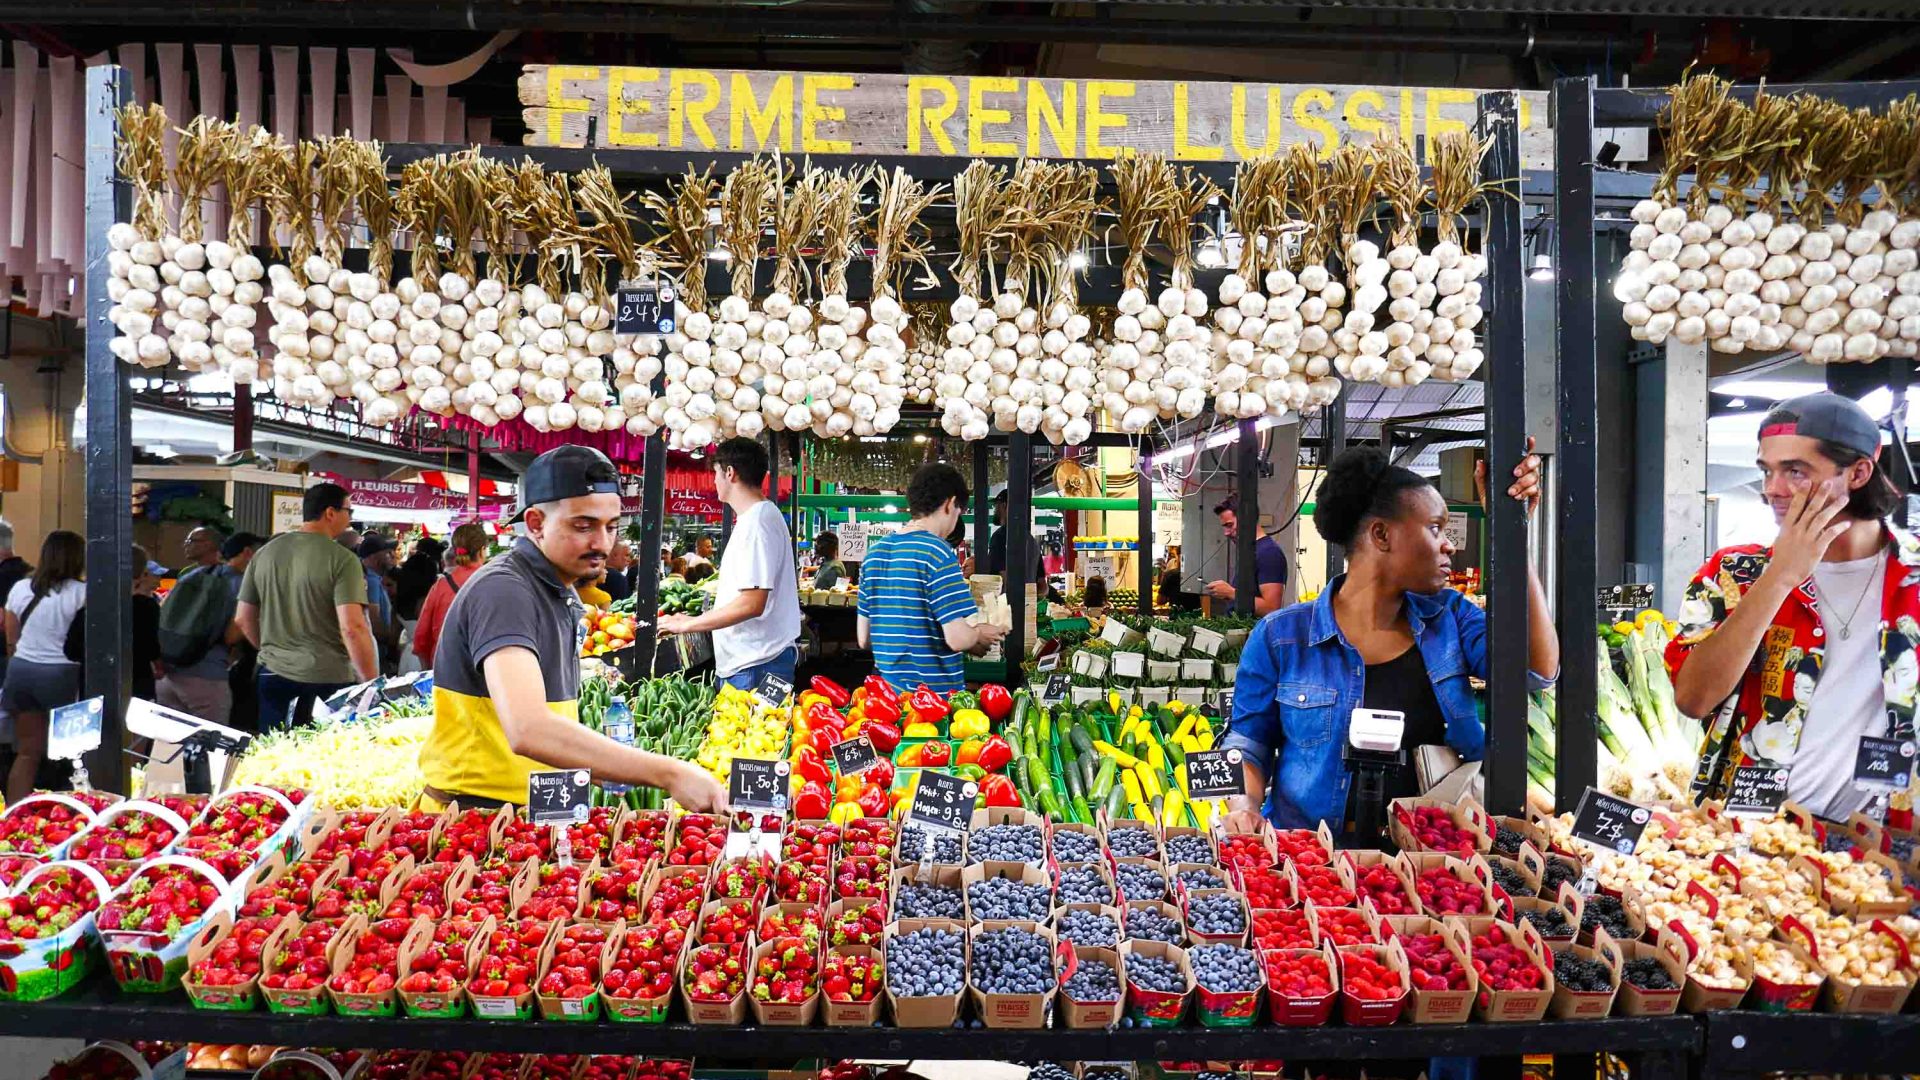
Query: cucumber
[
  {"x": 1082, "y": 742},
  {"x": 1103, "y": 779},
  {"x": 1082, "y": 813},
  {"x": 1085, "y": 764},
  {"x": 1022, "y": 701},
  {"x": 1046, "y": 725},
  {"x": 1116, "y": 802}
]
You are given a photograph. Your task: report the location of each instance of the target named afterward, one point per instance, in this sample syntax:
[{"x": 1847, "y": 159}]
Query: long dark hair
[{"x": 63, "y": 557}]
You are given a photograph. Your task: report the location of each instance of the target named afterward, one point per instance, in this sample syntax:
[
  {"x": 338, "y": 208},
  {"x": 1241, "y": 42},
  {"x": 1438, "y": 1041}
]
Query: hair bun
[{"x": 1355, "y": 487}]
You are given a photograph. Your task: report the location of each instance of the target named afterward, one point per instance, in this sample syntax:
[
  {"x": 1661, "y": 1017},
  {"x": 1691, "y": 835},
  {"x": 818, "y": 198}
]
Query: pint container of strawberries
[
  {"x": 149, "y": 923},
  {"x": 45, "y": 955}
]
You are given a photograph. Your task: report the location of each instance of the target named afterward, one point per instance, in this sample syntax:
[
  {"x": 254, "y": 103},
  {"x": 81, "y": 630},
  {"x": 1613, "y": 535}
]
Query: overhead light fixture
[
  {"x": 920, "y": 438},
  {"x": 1542, "y": 268}
]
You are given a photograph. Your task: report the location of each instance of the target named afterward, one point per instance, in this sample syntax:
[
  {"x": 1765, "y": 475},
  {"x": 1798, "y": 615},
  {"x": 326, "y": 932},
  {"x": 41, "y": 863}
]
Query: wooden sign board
[{"x": 986, "y": 116}]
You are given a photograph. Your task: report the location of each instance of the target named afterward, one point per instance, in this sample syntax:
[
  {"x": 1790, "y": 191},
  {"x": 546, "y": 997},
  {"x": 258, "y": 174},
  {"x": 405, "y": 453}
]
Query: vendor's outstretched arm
[{"x": 515, "y": 683}]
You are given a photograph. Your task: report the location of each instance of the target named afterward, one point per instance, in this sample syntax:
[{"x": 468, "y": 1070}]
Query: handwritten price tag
[
  {"x": 1056, "y": 688},
  {"x": 1215, "y": 774},
  {"x": 854, "y": 756},
  {"x": 1882, "y": 764},
  {"x": 1610, "y": 823},
  {"x": 1757, "y": 790},
  {"x": 943, "y": 801},
  {"x": 558, "y": 797},
  {"x": 643, "y": 309},
  {"x": 758, "y": 784},
  {"x": 773, "y": 690}
]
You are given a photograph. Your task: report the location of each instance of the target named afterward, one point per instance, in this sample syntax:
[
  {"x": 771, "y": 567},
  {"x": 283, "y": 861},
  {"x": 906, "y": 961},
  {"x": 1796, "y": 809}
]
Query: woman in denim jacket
[{"x": 1387, "y": 634}]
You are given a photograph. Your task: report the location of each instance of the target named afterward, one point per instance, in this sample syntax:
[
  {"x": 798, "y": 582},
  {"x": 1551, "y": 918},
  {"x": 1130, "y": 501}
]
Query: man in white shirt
[{"x": 756, "y": 614}]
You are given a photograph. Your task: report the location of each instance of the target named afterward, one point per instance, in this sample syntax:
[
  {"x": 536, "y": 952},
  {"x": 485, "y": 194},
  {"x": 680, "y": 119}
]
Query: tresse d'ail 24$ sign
[{"x": 986, "y": 116}]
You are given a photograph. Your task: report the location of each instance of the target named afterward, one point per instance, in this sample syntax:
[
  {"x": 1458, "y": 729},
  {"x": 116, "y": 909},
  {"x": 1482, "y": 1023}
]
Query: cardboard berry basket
[
  {"x": 1774, "y": 996},
  {"x": 1013, "y": 815},
  {"x": 306, "y": 1001},
  {"x": 1288, "y": 1010},
  {"x": 151, "y": 963},
  {"x": 1085, "y": 1015},
  {"x": 1571, "y": 1004},
  {"x": 1841, "y": 994},
  {"x": 1101, "y": 870},
  {"x": 936, "y": 1011},
  {"x": 495, "y": 827},
  {"x": 742, "y": 877},
  {"x": 1024, "y": 873},
  {"x": 1169, "y": 832},
  {"x": 105, "y": 819},
  {"x": 1228, "y": 1008},
  {"x": 48, "y": 967},
  {"x": 1363, "y": 1012},
  {"x": 1327, "y": 919},
  {"x": 731, "y": 1012},
  {"x": 436, "y": 1004},
  {"x": 856, "y": 1013},
  {"x": 290, "y": 1064},
  {"x": 326, "y": 821},
  {"x": 1158, "y": 1008},
  {"x": 781, "y": 1013},
  {"x": 1076, "y": 827},
  {"x": 637, "y": 1010},
  {"x": 1305, "y": 847},
  {"x": 1520, "y": 904},
  {"x": 557, "y": 1007},
  {"x": 1013, "y": 1011},
  {"x": 1164, "y": 907},
  {"x": 286, "y": 836},
  {"x": 1506, "y": 1006},
  {"x": 947, "y": 877},
  {"x": 562, "y": 904},
  {"x": 658, "y": 878},
  {"x": 85, "y": 817},
  {"x": 1472, "y": 872},
  {"x": 110, "y": 1057},
  {"x": 384, "y": 894},
  {"x": 1435, "y": 1006},
  {"x": 504, "y": 1006},
  {"x": 239, "y": 997},
  {"x": 1635, "y": 1001},
  {"x": 1860, "y": 909},
  {"x": 378, "y": 1003},
  {"x": 1158, "y": 868},
  {"x": 1529, "y": 864},
  {"x": 1356, "y": 861},
  {"x": 1466, "y": 814},
  {"x": 465, "y": 879},
  {"x": 1114, "y": 825},
  {"x": 1530, "y": 832}
]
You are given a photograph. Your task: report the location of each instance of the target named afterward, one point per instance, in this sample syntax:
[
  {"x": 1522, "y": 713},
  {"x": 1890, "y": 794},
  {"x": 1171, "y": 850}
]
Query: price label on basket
[
  {"x": 943, "y": 801},
  {"x": 1757, "y": 790},
  {"x": 773, "y": 690},
  {"x": 1057, "y": 686},
  {"x": 1879, "y": 764},
  {"x": 1215, "y": 774},
  {"x": 558, "y": 796},
  {"x": 643, "y": 309},
  {"x": 1608, "y": 822},
  {"x": 1223, "y": 705},
  {"x": 758, "y": 784},
  {"x": 854, "y": 756}
]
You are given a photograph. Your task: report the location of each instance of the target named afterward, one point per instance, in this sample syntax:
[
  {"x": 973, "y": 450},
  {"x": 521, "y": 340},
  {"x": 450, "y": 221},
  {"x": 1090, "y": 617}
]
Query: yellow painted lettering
[
  {"x": 1303, "y": 114},
  {"x": 1406, "y": 116},
  {"x": 979, "y": 115},
  {"x": 558, "y": 104},
  {"x": 1437, "y": 124},
  {"x": 1063, "y": 123},
  {"x": 686, "y": 113},
  {"x": 1183, "y": 150},
  {"x": 1098, "y": 121},
  {"x": 934, "y": 116},
  {"x": 618, "y": 106},
  {"x": 1526, "y": 111},
  {"x": 1368, "y": 122},
  {"x": 813, "y": 113},
  {"x": 1237, "y": 124},
  {"x": 744, "y": 110}
]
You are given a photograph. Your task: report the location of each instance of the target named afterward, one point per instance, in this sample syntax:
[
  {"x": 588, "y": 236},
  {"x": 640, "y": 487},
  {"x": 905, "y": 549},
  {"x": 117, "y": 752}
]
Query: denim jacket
[{"x": 1300, "y": 680}]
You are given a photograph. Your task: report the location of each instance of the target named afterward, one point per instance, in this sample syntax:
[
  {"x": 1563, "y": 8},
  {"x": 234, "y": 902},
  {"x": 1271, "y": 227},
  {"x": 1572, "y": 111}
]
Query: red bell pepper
[
  {"x": 880, "y": 772},
  {"x": 821, "y": 740},
  {"x": 882, "y": 734},
  {"x": 811, "y": 768},
  {"x": 936, "y": 753},
  {"x": 927, "y": 706},
  {"x": 874, "y": 801},
  {"x": 830, "y": 690},
  {"x": 885, "y": 710},
  {"x": 995, "y": 753},
  {"x": 822, "y": 715},
  {"x": 812, "y": 803},
  {"x": 999, "y": 791},
  {"x": 879, "y": 689},
  {"x": 996, "y": 702}
]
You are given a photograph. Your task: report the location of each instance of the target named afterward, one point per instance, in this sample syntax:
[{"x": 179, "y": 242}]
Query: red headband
[{"x": 1788, "y": 427}]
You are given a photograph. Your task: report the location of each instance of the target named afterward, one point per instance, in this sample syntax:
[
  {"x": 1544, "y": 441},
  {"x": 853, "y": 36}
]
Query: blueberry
[
  {"x": 1156, "y": 973},
  {"x": 1645, "y": 972},
  {"x": 1133, "y": 843},
  {"x": 1074, "y": 847},
  {"x": 1007, "y": 843},
  {"x": 1511, "y": 880},
  {"x": 946, "y": 846},
  {"x": 1216, "y": 913},
  {"x": 1089, "y": 928},
  {"x": 1580, "y": 974},
  {"x": 1084, "y": 885},
  {"x": 1225, "y": 968},
  {"x": 1150, "y": 924},
  {"x": 1005, "y": 898},
  {"x": 1139, "y": 882},
  {"x": 1093, "y": 980},
  {"x": 1012, "y": 960},
  {"x": 1047, "y": 1070},
  {"x": 1104, "y": 1074},
  {"x": 1190, "y": 848},
  {"x": 925, "y": 963},
  {"x": 921, "y": 901},
  {"x": 1202, "y": 878}
]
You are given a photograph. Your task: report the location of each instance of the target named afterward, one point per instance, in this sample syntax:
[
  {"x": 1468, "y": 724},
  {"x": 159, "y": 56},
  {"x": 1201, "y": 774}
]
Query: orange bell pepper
[
  {"x": 847, "y": 788},
  {"x": 970, "y": 751}
]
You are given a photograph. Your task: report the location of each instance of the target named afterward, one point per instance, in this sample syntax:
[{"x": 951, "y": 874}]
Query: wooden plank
[{"x": 995, "y": 117}]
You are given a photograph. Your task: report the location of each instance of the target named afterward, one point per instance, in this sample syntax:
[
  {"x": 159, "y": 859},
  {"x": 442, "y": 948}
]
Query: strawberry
[
  {"x": 810, "y": 844},
  {"x": 394, "y": 1065},
  {"x": 375, "y": 965},
  {"x": 574, "y": 971},
  {"x": 864, "y": 924},
  {"x": 851, "y": 978},
  {"x": 441, "y": 967},
  {"x": 715, "y": 973},
  {"x": 349, "y": 834},
  {"x": 551, "y": 1067},
  {"x": 643, "y": 965},
  {"x": 556, "y": 893},
  {"x": 641, "y": 837},
  {"x": 413, "y": 834},
  {"x": 489, "y": 893},
  {"x": 164, "y": 900},
  {"x": 38, "y": 828},
  {"x": 423, "y": 893},
  {"x": 507, "y": 967},
  {"x": 873, "y": 837},
  {"x": 15, "y": 867},
  {"x": 496, "y": 1067},
  {"x": 614, "y": 892},
  {"x": 444, "y": 1065},
  {"x": 861, "y": 876},
  {"x": 798, "y": 881},
  {"x": 728, "y": 924},
  {"x": 301, "y": 964},
  {"x": 789, "y": 973},
  {"x": 54, "y": 901},
  {"x": 607, "y": 1067},
  {"x": 743, "y": 878},
  {"x": 678, "y": 895},
  {"x": 237, "y": 956},
  {"x": 805, "y": 925},
  {"x": 130, "y": 834},
  {"x": 468, "y": 834},
  {"x": 697, "y": 840},
  {"x": 659, "y": 1069}
]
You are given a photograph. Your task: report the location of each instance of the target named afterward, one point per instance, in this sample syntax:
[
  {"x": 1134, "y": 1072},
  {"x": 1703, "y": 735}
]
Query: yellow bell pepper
[
  {"x": 966, "y": 724},
  {"x": 847, "y": 788},
  {"x": 842, "y": 813},
  {"x": 807, "y": 699},
  {"x": 921, "y": 730}
]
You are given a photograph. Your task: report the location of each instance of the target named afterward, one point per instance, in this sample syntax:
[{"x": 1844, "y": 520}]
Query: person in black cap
[
  {"x": 1796, "y": 651},
  {"x": 376, "y": 553},
  {"x": 507, "y": 667}
]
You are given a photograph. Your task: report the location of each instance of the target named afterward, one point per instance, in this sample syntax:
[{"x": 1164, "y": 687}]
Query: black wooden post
[
  {"x": 1019, "y": 540},
  {"x": 1144, "y": 556},
  {"x": 1333, "y": 443},
  {"x": 653, "y": 512},
  {"x": 109, "y": 614},
  {"x": 1246, "y": 516},
  {"x": 982, "y": 506}
]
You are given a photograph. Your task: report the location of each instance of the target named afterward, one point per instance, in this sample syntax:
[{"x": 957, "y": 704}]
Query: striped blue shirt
[{"x": 911, "y": 586}]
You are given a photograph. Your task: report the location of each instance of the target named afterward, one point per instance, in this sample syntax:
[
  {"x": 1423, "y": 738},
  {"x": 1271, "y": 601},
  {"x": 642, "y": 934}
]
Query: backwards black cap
[{"x": 567, "y": 472}]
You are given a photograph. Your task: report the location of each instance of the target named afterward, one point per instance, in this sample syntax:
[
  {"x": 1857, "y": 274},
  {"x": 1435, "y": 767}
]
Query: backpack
[{"x": 194, "y": 618}]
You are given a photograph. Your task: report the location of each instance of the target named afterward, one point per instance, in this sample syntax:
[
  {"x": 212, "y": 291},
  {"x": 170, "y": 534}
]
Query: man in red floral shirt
[{"x": 1793, "y": 653}]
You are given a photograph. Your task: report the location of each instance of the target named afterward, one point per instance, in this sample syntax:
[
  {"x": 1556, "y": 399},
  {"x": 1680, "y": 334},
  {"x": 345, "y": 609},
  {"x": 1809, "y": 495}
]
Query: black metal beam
[
  {"x": 1019, "y": 540},
  {"x": 1246, "y": 516},
  {"x": 109, "y": 464},
  {"x": 1578, "y": 459},
  {"x": 653, "y": 513},
  {"x": 1333, "y": 428},
  {"x": 982, "y": 505},
  {"x": 1505, "y": 765},
  {"x": 1143, "y": 571}
]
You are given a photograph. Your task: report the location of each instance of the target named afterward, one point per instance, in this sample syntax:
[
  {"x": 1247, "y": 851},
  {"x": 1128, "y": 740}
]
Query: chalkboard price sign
[
  {"x": 559, "y": 796},
  {"x": 1056, "y": 689},
  {"x": 1758, "y": 790},
  {"x": 1883, "y": 764},
  {"x": 1609, "y": 822},
  {"x": 1223, "y": 705},
  {"x": 758, "y": 784},
  {"x": 1215, "y": 774},
  {"x": 943, "y": 801},
  {"x": 643, "y": 309},
  {"x": 854, "y": 756},
  {"x": 773, "y": 690}
]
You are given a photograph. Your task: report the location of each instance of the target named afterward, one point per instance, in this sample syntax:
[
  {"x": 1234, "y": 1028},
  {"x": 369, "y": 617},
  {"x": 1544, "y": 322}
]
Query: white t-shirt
[
  {"x": 43, "y": 639},
  {"x": 1849, "y": 701},
  {"x": 758, "y": 556}
]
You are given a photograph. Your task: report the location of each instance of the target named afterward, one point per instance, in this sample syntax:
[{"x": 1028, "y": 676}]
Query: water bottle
[{"x": 618, "y": 726}]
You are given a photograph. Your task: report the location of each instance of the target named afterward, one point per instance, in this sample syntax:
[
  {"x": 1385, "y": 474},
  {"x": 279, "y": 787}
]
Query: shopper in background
[
  {"x": 702, "y": 553},
  {"x": 350, "y": 538},
  {"x": 303, "y": 605},
  {"x": 1795, "y": 652},
  {"x": 914, "y": 603},
  {"x": 376, "y": 562},
  {"x": 620, "y": 572},
  {"x": 197, "y": 627},
  {"x": 467, "y": 553},
  {"x": 995, "y": 559},
  {"x": 13, "y": 568},
  {"x": 146, "y": 623},
  {"x": 756, "y": 612},
  {"x": 1388, "y": 634},
  {"x": 414, "y": 578},
  {"x": 1269, "y": 562},
  {"x": 242, "y": 658},
  {"x": 826, "y": 548},
  {"x": 1169, "y": 587},
  {"x": 43, "y": 674}
]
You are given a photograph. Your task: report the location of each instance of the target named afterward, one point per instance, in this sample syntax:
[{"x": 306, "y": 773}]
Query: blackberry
[
  {"x": 1648, "y": 973},
  {"x": 1579, "y": 974}
]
